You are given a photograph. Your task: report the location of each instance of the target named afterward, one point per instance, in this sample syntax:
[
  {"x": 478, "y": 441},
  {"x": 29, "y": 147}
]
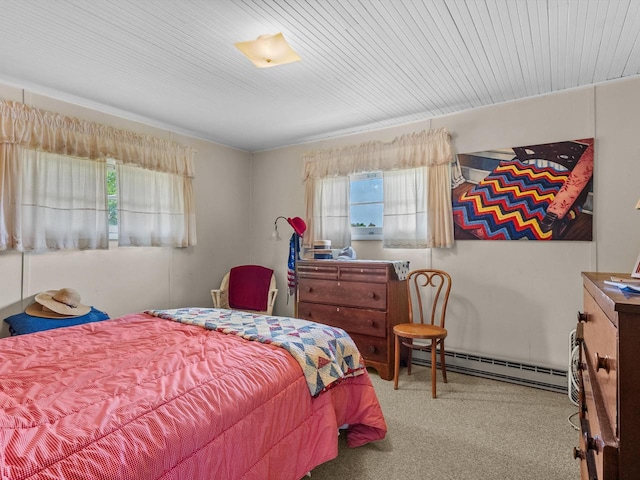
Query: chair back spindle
[{"x": 430, "y": 289}]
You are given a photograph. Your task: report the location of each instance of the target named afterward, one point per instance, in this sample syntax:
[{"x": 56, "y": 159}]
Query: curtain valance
[
  {"x": 427, "y": 148},
  {"x": 417, "y": 202},
  {"x": 54, "y": 133}
]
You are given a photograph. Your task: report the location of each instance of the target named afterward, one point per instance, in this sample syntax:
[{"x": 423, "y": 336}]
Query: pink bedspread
[{"x": 145, "y": 398}]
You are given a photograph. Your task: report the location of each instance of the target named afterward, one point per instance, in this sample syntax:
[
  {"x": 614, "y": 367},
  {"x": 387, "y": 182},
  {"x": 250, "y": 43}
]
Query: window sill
[{"x": 364, "y": 233}]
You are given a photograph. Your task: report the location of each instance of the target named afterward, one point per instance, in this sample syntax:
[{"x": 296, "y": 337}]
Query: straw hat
[{"x": 63, "y": 303}]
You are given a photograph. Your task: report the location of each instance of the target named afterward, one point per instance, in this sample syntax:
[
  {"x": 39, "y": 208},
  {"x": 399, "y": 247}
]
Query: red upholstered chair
[
  {"x": 428, "y": 291},
  {"x": 250, "y": 288}
]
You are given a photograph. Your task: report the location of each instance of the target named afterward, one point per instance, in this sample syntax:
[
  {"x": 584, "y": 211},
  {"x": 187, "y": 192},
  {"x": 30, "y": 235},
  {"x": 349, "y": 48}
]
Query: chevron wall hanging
[{"x": 533, "y": 192}]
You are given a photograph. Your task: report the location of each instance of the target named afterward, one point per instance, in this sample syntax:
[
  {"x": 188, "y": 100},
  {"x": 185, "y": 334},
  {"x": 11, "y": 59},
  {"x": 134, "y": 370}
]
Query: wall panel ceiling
[{"x": 366, "y": 64}]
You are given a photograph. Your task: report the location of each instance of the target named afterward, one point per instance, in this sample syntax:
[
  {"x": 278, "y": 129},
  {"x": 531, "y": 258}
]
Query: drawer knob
[
  {"x": 369, "y": 323},
  {"x": 582, "y": 317},
  {"x": 590, "y": 442},
  {"x": 371, "y": 295},
  {"x": 577, "y": 453},
  {"x": 602, "y": 362},
  {"x": 308, "y": 289},
  {"x": 371, "y": 349}
]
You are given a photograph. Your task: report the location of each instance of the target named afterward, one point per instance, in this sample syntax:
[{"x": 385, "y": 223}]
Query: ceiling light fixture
[{"x": 268, "y": 51}]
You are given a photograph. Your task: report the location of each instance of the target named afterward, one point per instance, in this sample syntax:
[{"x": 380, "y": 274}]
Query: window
[
  {"x": 52, "y": 201},
  {"x": 366, "y": 206},
  {"x": 112, "y": 199},
  {"x": 412, "y": 165}
]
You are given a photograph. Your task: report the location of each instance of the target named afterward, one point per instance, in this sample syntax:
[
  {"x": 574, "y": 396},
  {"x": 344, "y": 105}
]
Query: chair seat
[{"x": 419, "y": 330}]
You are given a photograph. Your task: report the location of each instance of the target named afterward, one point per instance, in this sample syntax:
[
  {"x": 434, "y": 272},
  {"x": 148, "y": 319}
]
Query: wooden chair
[
  {"x": 428, "y": 290},
  {"x": 220, "y": 296}
]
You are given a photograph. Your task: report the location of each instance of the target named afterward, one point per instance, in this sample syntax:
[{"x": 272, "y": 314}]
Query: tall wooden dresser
[
  {"x": 609, "y": 333},
  {"x": 364, "y": 298}
]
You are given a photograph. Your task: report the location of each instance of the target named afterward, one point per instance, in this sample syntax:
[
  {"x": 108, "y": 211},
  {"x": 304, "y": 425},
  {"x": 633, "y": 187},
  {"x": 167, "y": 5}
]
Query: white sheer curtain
[
  {"x": 331, "y": 211},
  {"x": 405, "y": 209},
  {"x": 63, "y": 202},
  {"x": 151, "y": 208},
  {"x": 417, "y": 208},
  {"x": 54, "y": 164},
  {"x": 420, "y": 216}
]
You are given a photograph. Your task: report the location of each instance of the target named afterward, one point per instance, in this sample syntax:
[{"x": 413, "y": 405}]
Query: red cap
[{"x": 298, "y": 225}]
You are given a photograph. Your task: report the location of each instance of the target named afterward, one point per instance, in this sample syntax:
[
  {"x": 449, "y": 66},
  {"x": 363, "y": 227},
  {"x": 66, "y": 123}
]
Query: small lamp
[
  {"x": 268, "y": 51},
  {"x": 275, "y": 235},
  {"x": 298, "y": 225}
]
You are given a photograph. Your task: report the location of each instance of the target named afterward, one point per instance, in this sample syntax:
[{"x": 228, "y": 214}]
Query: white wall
[
  {"x": 510, "y": 300},
  {"x": 125, "y": 280}
]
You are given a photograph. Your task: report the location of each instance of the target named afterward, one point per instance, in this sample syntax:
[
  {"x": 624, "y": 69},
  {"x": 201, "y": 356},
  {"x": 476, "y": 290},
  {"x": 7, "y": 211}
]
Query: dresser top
[
  {"x": 347, "y": 262},
  {"x": 621, "y": 301},
  {"x": 401, "y": 267}
]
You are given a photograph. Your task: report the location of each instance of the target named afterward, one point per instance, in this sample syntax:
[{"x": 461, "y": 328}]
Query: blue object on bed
[{"x": 22, "y": 323}]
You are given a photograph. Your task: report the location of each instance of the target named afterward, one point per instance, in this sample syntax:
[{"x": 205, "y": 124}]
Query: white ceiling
[{"x": 366, "y": 64}]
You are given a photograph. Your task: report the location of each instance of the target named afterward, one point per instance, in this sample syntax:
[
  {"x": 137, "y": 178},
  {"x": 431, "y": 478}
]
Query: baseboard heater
[{"x": 505, "y": 370}]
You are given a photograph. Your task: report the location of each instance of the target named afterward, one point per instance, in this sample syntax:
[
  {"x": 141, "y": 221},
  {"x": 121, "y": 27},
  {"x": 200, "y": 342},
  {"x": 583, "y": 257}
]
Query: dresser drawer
[
  {"x": 358, "y": 272},
  {"x": 372, "y": 349},
  {"x": 318, "y": 270},
  {"x": 351, "y": 294},
  {"x": 600, "y": 352},
  {"x": 588, "y": 468},
  {"x": 352, "y": 320},
  {"x": 597, "y": 440},
  {"x": 364, "y": 273}
]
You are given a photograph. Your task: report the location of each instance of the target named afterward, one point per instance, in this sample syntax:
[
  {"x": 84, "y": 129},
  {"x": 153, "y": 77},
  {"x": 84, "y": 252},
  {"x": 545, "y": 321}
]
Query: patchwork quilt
[
  {"x": 325, "y": 354},
  {"x": 510, "y": 202}
]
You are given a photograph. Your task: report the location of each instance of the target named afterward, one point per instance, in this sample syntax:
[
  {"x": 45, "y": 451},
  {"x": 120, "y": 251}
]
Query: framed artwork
[{"x": 533, "y": 192}]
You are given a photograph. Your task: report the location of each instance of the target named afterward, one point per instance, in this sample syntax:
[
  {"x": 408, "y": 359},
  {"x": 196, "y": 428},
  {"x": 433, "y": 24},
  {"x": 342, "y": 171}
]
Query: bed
[{"x": 157, "y": 396}]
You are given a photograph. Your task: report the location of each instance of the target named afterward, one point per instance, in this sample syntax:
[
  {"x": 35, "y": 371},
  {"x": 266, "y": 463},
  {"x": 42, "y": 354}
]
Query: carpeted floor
[{"x": 476, "y": 429}]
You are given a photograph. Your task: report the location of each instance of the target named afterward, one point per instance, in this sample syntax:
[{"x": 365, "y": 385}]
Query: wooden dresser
[
  {"x": 609, "y": 334},
  {"x": 366, "y": 299}
]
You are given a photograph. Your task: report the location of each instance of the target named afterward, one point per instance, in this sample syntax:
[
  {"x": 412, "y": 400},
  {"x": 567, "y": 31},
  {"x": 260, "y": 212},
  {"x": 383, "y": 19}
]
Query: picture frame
[
  {"x": 534, "y": 192},
  {"x": 636, "y": 269}
]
